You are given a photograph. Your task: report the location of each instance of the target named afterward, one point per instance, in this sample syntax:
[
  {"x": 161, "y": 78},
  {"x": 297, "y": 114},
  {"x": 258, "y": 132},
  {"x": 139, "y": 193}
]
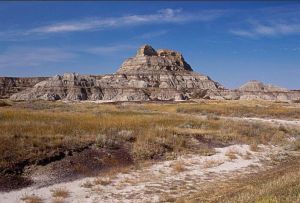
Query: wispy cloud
[
  {"x": 270, "y": 29},
  {"x": 22, "y": 57},
  {"x": 162, "y": 16},
  {"x": 33, "y": 57},
  {"x": 167, "y": 15}
]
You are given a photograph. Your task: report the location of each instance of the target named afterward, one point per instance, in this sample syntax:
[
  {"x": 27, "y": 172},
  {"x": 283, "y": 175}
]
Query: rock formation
[
  {"x": 147, "y": 60},
  {"x": 12, "y": 85},
  {"x": 257, "y": 90},
  {"x": 257, "y": 86},
  {"x": 150, "y": 75}
]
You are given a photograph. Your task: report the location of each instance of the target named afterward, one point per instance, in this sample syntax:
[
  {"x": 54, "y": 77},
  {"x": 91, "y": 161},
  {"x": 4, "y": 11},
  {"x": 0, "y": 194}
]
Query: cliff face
[
  {"x": 150, "y": 75},
  {"x": 12, "y": 85}
]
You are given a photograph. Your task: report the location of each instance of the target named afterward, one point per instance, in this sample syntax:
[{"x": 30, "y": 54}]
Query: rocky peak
[
  {"x": 146, "y": 50},
  {"x": 148, "y": 60}
]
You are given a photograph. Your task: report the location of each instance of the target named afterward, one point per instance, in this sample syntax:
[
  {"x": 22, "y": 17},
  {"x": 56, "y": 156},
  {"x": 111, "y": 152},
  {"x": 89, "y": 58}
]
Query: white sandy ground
[
  {"x": 267, "y": 120},
  {"x": 159, "y": 181}
]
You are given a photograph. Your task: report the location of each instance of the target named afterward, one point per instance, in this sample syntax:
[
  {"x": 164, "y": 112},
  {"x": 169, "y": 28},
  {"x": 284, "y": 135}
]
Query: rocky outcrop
[
  {"x": 70, "y": 86},
  {"x": 147, "y": 60},
  {"x": 255, "y": 95},
  {"x": 150, "y": 75},
  {"x": 12, "y": 85},
  {"x": 257, "y": 86},
  {"x": 258, "y": 90}
]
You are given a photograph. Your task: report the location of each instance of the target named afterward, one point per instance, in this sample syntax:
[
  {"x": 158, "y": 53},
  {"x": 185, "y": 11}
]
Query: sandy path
[
  {"x": 266, "y": 120},
  {"x": 161, "y": 181}
]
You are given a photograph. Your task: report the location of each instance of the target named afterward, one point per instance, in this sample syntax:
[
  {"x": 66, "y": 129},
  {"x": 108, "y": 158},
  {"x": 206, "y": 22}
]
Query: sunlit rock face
[{"x": 149, "y": 75}]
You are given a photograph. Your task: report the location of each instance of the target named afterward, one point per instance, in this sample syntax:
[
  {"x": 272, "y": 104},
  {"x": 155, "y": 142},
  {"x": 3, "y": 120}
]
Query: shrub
[
  {"x": 60, "y": 192},
  {"x": 32, "y": 199},
  {"x": 178, "y": 166}
]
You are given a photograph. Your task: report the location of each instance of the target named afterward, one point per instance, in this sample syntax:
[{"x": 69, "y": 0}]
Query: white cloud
[
  {"x": 25, "y": 57},
  {"x": 268, "y": 29},
  {"x": 18, "y": 57},
  {"x": 162, "y": 16}
]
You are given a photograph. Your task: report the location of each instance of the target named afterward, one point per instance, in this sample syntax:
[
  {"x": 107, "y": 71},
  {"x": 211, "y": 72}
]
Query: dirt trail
[{"x": 165, "y": 180}]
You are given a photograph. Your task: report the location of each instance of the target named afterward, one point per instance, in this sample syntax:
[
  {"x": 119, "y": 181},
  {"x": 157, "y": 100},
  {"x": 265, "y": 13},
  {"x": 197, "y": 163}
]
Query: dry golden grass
[
  {"x": 231, "y": 155},
  {"x": 31, "y": 131},
  {"x": 32, "y": 199},
  {"x": 102, "y": 181},
  {"x": 28, "y": 134},
  {"x": 60, "y": 193},
  {"x": 179, "y": 166},
  {"x": 242, "y": 108},
  {"x": 87, "y": 184},
  {"x": 209, "y": 163},
  {"x": 254, "y": 147}
]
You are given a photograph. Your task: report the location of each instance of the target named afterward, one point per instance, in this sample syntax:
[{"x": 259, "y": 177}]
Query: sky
[{"x": 232, "y": 42}]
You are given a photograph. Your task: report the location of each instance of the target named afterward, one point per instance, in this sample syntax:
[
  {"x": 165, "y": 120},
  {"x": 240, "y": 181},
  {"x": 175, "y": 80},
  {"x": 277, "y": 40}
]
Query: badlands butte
[{"x": 151, "y": 75}]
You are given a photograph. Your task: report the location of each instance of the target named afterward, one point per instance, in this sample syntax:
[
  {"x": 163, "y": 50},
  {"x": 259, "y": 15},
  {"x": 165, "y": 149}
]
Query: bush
[
  {"x": 108, "y": 141},
  {"x": 114, "y": 139}
]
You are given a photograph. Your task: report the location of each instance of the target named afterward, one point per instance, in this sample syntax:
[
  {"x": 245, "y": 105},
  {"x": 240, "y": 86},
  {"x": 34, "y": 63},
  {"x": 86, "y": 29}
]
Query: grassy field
[
  {"x": 234, "y": 108},
  {"x": 31, "y": 131}
]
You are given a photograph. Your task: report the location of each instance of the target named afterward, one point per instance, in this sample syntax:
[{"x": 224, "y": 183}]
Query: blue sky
[{"x": 232, "y": 42}]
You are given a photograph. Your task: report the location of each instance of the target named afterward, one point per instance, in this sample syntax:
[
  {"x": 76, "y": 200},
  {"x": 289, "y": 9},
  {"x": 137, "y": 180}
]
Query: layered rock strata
[
  {"x": 150, "y": 75},
  {"x": 12, "y": 85}
]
